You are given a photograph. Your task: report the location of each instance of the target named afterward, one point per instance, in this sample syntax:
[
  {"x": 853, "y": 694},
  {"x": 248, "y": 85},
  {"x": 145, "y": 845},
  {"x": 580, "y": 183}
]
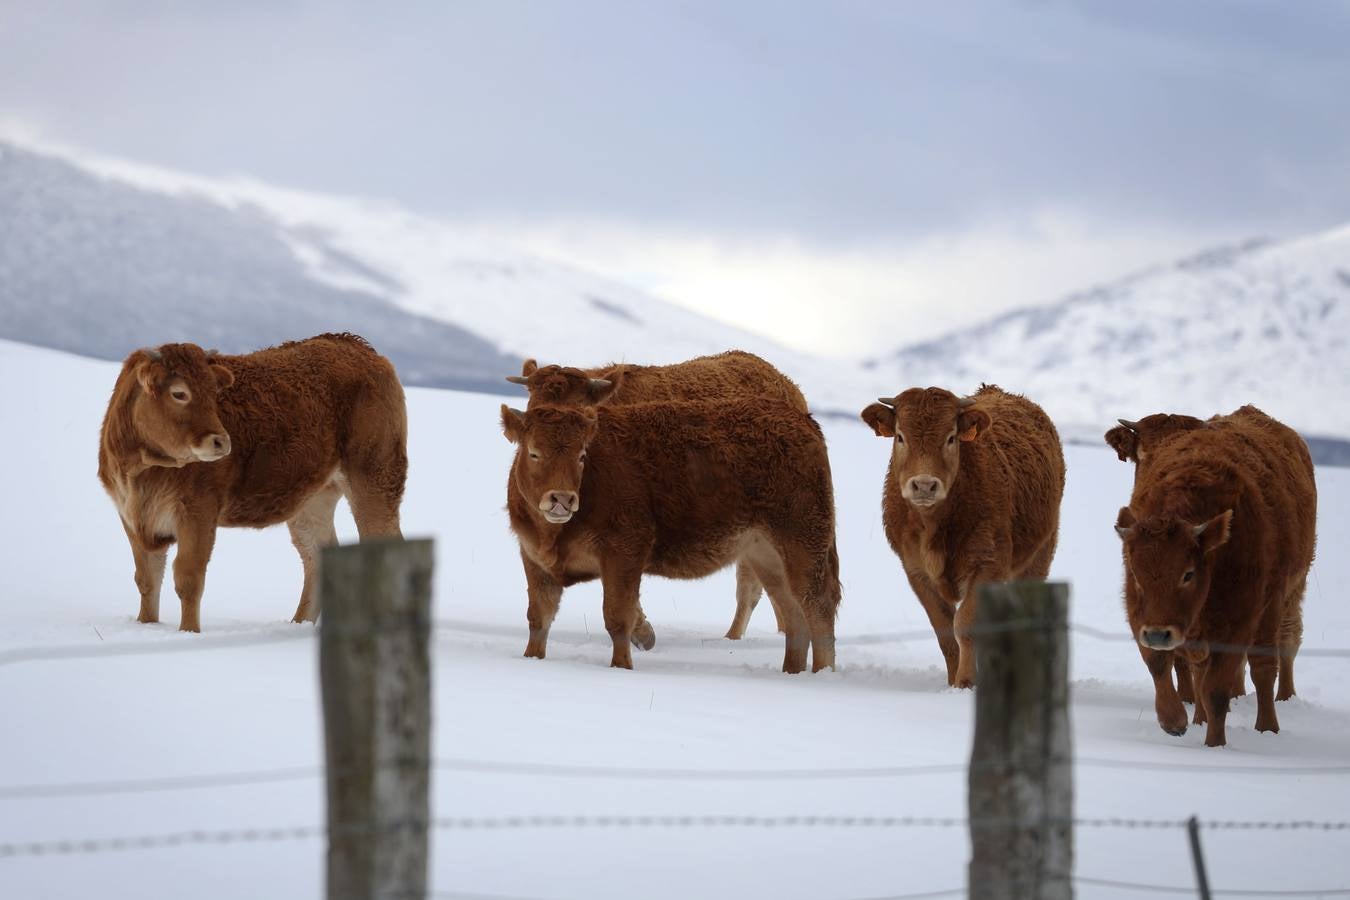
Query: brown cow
[
  {"x": 1217, "y": 542},
  {"x": 972, "y": 495},
  {"x": 723, "y": 376},
  {"x": 678, "y": 489},
  {"x": 195, "y": 440},
  {"x": 1136, "y": 442}
]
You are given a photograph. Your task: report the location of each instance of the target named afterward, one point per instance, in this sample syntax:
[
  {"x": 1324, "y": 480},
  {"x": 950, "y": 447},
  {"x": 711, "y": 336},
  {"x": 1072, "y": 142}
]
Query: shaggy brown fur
[
  {"x": 972, "y": 495},
  {"x": 1218, "y": 539},
  {"x": 678, "y": 489},
  {"x": 194, "y": 440},
  {"x": 724, "y": 376}
]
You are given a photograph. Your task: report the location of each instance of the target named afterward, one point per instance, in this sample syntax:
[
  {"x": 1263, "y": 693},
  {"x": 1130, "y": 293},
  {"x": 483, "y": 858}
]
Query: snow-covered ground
[{"x": 696, "y": 701}]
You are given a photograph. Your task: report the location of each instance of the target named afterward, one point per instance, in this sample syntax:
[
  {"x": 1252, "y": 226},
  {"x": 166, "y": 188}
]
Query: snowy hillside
[
  {"x": 98, "y": 256},
  {"x": 250, "y": 714},
  {"x": 1263, "y": 323}
]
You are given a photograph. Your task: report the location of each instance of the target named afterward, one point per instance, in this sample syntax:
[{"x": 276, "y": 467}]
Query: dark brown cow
[
  {"x": 1217, "y": 542},
  {"x": 678, "y": 489},
  {"x": 972, "y": 495},
  {"x": 724, "y": 376},
  {"x": 195, "y": 440},
  {"x": 1137, "y": 442}
]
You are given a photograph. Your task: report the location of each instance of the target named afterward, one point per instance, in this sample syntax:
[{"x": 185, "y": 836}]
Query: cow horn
[
  {"x": 1197, "y": 530},
  {"x": 1133, "y": 426},
  {"x": 965, "y": 402},
  {"x": 887, "y": 401},
  {"x": 517, "y": 379},
  {"x": 599, "y": 384}
]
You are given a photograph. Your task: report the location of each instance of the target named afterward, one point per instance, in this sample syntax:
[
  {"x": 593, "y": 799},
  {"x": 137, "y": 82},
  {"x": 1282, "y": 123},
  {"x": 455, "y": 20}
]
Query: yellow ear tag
[{"x": 968, "y": 434}]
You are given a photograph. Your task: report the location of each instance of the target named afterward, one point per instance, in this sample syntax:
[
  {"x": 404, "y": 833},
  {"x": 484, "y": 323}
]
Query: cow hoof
[
  {"x": 734, "y": 635},
  {"x": 533, "y": 654},
  {"x": 644, "y": 636},
  {"x": 146, "y": 620}
]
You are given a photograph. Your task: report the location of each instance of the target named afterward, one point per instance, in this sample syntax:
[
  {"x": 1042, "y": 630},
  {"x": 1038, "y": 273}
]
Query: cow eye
[
  {"x": 533, "y": 455},
  {"x": 1186, "y": 578},
  {"x": 951, "y": 439},
  {"x": 180, "y": 396}
]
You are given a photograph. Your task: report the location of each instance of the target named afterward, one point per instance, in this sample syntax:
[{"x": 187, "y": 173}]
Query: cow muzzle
[
  {"x": 924, "y": 490},
  {"x": 212, "y": 447},
  {"x": 559, "y": 506},
  {"x": 1160, "y": 637}
]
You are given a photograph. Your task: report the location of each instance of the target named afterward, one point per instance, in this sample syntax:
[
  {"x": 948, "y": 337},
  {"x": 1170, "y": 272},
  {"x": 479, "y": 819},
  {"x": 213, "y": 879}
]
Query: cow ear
[
  {"x": 528, "y": 367},
  {"x": 1125, "y": 523},
  {"x": 150, "y": 372},
  {"x": 971, "y": 423},
  {"x": 1214, "y": 533},
  {"x": 881, "y": 418},
  {"x": 224, "y": 377},
  {"x": 513, "y": 424},
  {"x": 1125, "y": 442}
]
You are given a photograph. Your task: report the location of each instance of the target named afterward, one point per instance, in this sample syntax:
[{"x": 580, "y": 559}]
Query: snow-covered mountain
[
  {"x": 1265, "y": 323},
  {"x": 99, "y": 256}
]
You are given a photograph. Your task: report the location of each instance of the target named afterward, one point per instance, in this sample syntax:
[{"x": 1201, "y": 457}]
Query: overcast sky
[{"x": 844, "y": 176}]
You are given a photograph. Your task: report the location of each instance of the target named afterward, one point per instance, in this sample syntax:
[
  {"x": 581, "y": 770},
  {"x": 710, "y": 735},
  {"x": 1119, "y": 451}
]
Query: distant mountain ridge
[
  {"x": 100, "y": 256},
  {"x": 1259, "y": 322}
]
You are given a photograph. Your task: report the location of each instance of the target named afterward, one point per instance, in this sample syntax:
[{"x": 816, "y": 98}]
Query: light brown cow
[
  {"x": 972, "y": 495},
  {"x": 723, "y": 376},
  {"x": 195, "y": 440},
  {"x": 1217, "y": 542},
  {"x": 678, "y": 489}
]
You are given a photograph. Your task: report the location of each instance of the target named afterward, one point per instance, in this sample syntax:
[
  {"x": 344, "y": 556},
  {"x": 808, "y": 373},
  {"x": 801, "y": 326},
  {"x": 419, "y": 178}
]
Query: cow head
[
  {"x": 174, "y": 411},
  {"x": 565, "y": 386},
  {"x": 551, "y": 446},
  {"x": 928, "y": 428},
  {"x": 1133, "y": 441},
  {"x": 1171, "y": 562}
]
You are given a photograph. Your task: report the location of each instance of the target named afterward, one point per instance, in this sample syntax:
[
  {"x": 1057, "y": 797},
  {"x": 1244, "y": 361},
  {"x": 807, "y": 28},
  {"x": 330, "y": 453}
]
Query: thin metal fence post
[{"x": 1198, "y": 857}]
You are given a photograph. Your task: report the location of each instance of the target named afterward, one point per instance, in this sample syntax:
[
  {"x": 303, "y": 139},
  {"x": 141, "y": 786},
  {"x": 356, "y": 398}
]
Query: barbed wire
[
  {"x": 85, "y": 846},
  {"x": 1218, "y": 892}
]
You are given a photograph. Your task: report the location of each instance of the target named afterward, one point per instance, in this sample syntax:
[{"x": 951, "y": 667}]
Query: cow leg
[
  {"x": 1198, "y": 670},
  {"x": 375, "y": 459},
  {"x": 149, "y": 576},
  {"x": 621, "y": 582},
  {"x": 1166, "y": 702},
  {"x": 941, "y": 617},
  {"x": 1265, "y": 668},
  {"x": 311, "y": 530},
  {"x": 1214, "y": 691},
  {"x": 1239, "y": 685},
  {"x": 768, "y": 568},
  {"x": 748, "y": 591},
  {"x": 965, "y": 622},
  {"x": 1185, "y": 688},
  {"x": 1291, "y": 638},
  {"x": 545, "y": 595},
  {"x": 195, "y": 543}
]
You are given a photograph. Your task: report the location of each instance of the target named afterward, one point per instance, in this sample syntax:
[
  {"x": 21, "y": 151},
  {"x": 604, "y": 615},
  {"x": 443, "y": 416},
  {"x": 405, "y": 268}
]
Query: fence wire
[{"x": 86, "y": 846}]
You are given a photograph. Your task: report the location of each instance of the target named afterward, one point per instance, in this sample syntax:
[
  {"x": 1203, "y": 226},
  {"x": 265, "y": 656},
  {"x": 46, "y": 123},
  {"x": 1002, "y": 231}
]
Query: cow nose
[
  {"x": 567, "y": 499},
  {"x": 220, "y": 443},
  {"x": 924, "y": 484},
  {"x": 1158, "y": 638}
]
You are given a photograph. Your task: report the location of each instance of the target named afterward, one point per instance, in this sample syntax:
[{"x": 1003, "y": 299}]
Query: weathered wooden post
[
  {"x": 375, "y": 673},
  {"x": 1021, "y": 774}
]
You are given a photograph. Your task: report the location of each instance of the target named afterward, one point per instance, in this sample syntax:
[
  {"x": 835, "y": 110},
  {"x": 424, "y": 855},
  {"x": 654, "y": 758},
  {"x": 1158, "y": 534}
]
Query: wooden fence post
[
  {"x": 375, "y": 672},
  {"x": 1021, "y": 774}
]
